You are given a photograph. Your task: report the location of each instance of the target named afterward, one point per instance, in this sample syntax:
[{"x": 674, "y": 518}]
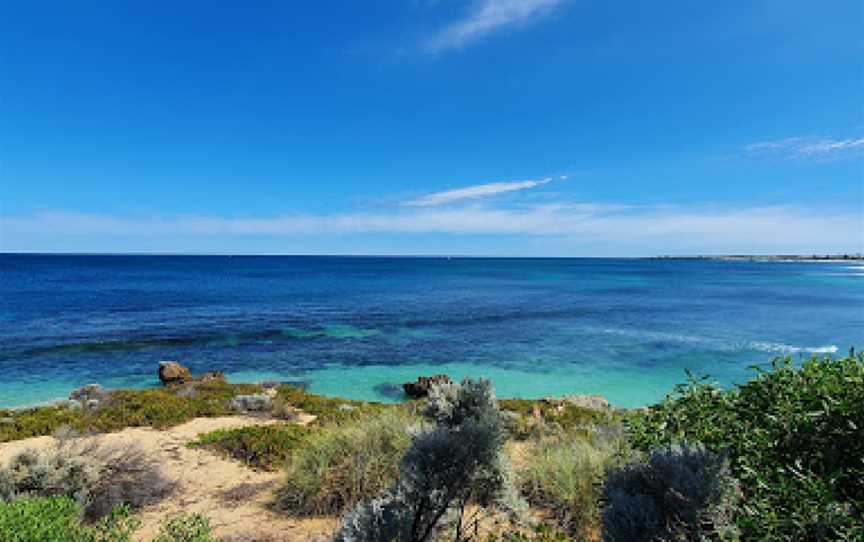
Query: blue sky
[{"x": 483, "y": 127}]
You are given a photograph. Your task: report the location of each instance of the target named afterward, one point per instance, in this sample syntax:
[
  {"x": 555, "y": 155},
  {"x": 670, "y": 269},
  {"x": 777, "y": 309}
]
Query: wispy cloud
[
  {"x": 615, "y": 228},
  {"x": 486, "y": 17},
  {"x": 476, "y": 191},
  {"x": 812, "y": 148}
]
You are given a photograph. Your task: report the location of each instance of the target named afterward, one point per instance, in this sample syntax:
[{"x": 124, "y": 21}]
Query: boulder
[
  {"x": 256, "y": 402},
  {"x": 421, "y": 387},
  {"x": 171, "y": 372},
  {"x": 88, "y": 392},
  {"x": 90, "y": 396}
]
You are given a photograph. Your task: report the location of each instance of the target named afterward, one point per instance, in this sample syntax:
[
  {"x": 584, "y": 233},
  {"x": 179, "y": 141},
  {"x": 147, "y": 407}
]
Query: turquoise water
[{"x": 359, "y": 327}]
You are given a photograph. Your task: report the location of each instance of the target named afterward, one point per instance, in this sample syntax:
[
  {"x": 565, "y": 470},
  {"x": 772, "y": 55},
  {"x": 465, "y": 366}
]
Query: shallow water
[{"x": 356, "y": 327}]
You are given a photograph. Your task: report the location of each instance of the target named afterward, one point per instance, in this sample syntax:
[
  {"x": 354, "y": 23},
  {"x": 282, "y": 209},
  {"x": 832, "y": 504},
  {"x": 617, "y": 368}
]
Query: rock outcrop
[
  {"x": 591, "y": 402},
  {"x": 256, "y": 402},
  {"x": 171, "y": 372},
  {"x": 421, "y": 387},
  {"x": 89, "y": 397}
]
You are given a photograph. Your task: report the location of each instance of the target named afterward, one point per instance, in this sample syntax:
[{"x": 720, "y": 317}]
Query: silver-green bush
[
  {"x": 681, "y": 493},
  {"x": 99, "y": 478},
  {"x": 456, "y": 462}
]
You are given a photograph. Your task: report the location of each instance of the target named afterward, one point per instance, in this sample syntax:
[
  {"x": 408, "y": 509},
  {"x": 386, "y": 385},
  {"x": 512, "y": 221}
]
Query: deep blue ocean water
[{"x": 355, "y": 327}]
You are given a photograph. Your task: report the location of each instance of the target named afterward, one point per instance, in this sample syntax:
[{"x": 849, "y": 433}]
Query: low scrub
[
  {"x": 793, "y": 436},
  {"x": 266, "y": 447},
  {"x": 98, "y": 478},
  {"x": 159, "y": 408},
  {"x": 678, "y": 493},
  {"x": 58, "y": 519},
  {"x": 186, "y": 528},
  {"x": 34, "y": 422},
  {"x": 338, "y": 465},
  {"x": 327, "y": 410}
]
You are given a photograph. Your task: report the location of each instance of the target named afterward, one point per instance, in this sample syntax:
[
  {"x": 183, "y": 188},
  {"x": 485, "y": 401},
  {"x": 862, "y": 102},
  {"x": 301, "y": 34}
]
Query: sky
[{"x": 439, "y": 127}]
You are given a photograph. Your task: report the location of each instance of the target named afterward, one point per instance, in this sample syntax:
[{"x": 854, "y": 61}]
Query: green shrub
[
  {"x": 186, "y": 528},
  {"x": 793, "y": 436},
  {"x": 563, "y": 476},
  {"x": 33, "y": 422},
  {"x": 680, "y": 493},
  {"x": 57, "y": 519},
  {"x": 327, "y": 410},
  {"x": 165, "y": 407},
  {"x": 260, "y": 446},
  {"x": 337, "y": 466},
  {"x": 159, "y": 408},
  {"x": 99, "y": 478}
]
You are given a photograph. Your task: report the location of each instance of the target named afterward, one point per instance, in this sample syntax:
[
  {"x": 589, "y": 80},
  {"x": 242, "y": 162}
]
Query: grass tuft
[{"x": 339, "y": 465}]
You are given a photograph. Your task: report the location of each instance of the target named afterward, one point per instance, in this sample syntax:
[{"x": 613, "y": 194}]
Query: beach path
[{"x": 234, "y": 497}]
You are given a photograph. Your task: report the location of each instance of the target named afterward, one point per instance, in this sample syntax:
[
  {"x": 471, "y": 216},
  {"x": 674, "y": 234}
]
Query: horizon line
[{"x": 814, "y": 255}]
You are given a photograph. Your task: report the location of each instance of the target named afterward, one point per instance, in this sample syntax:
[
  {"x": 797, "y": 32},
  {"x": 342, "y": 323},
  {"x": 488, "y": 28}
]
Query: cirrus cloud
[
  {"x": 809, "y": 148},
  {"x": 486, "y": 17},
  {"x": 477, "y": 191}
]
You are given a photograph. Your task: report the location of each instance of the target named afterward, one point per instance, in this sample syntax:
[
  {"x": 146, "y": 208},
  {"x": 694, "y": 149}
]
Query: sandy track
[{"x": 234, "y": 497}]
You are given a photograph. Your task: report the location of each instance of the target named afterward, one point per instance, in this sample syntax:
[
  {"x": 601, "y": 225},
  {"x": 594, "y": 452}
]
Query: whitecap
[{"x": 791, "y": 349}]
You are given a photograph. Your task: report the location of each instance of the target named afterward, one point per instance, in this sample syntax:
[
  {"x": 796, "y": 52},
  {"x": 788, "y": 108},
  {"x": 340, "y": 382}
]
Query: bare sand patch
[{"x": 234, "y": 497}]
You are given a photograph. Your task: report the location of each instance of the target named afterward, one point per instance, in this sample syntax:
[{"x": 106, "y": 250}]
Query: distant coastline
[{"x": 857, "y": 257}]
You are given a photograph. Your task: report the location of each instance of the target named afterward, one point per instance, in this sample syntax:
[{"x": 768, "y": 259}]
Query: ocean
[{"x": 359, "y": 327}]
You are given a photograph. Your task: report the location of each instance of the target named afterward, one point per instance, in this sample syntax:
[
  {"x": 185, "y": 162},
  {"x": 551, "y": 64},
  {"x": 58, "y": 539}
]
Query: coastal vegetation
[
  {"x": 58, "y": 519},
  {"x": 455, "y": 461},
  {"x": 158, "y": 408},
  {"x": 98, "y": 478},
  {"x": 341, "y": 464},
  {"x": 265, "y": 447},
  {"x": 794, "y": 437},
  {"x": 776, "y": 458}
]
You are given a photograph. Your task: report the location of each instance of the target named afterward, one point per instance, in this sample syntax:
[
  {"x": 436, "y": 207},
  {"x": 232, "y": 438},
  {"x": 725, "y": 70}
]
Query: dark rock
[
  {"x": 171, "y": 372},
  {"x": 421, "y": 387}
]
